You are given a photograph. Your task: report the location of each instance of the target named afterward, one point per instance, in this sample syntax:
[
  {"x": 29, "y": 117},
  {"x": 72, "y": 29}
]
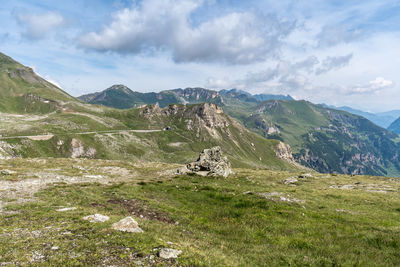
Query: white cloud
[
  {"x": 212, "y": 83},
  {"x": 166, "y": 25},
  {"x": 292, "y": 76},
  {"x": 37, "y": 26},
  {"x": 373, "y": 86}
]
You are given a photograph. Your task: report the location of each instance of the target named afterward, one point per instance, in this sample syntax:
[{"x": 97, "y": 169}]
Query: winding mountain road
[{"x": 49, "y": 136}]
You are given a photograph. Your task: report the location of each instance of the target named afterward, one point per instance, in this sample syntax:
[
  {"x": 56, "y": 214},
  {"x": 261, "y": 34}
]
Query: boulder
[
  {"x": 210, "y": 163},
  {"x": 127, "y": 224}
]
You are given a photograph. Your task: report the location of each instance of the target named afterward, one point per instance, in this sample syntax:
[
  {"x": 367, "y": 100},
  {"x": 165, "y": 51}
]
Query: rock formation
[
  {"x": 284, "y": 152},
  {"x": 210, "y": 163}
]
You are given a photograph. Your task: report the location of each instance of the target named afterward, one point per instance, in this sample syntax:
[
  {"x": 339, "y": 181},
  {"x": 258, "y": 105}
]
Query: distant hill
[
  {"x": 383, "y": 119},
  {"x": 120, "y": 96}
]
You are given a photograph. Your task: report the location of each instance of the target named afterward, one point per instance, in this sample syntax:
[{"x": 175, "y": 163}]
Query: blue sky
[{"x": 336, "y": 52}]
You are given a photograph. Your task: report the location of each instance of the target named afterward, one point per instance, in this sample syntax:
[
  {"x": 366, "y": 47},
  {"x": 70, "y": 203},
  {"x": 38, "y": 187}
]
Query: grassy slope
[
  {"x": 17, "y": 81},
  {"x": 334, "y": 137},
  {"x": 218, "y": 224},
  {"x": 180, "y": 145}
]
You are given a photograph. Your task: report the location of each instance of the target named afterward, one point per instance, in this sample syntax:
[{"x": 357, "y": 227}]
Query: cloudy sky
[{"x": 336, "y": 52}]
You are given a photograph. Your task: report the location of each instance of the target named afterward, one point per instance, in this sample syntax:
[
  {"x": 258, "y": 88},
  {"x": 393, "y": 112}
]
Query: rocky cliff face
[{"x": 283, "y": 151}]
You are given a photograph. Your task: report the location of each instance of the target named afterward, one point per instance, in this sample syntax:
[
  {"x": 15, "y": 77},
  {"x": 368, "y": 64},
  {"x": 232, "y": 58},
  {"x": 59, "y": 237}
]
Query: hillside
[
  {"x": 22, "y": 91},
  {"x": 327, "y": 140},
  {"x": 395, "y": 126},
  {"x": 138, "y": 134}
]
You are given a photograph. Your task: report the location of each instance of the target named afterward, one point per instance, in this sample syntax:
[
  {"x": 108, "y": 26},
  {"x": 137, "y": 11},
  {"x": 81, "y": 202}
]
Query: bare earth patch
[{"x": 140, "y": 209}]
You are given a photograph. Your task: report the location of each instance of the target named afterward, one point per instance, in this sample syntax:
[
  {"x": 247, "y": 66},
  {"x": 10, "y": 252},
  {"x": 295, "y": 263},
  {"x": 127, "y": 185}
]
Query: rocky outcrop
[
  {"x": 78, "y": 150},
  {"x": 208, "y": 115},
  {"x": 211, "y": 162},
  {"x": 283, "y": 151}
]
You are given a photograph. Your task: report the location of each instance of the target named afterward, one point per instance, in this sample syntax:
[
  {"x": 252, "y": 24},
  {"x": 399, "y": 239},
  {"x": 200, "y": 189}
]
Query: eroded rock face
[
  {"x": 283, "y": 151},
  {"x": 79, "y": 151},
  {"x": 211, "y": 162}
]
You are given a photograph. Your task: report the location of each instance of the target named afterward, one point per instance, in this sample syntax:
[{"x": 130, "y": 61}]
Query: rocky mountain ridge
[{"x": 120, "y": 96}]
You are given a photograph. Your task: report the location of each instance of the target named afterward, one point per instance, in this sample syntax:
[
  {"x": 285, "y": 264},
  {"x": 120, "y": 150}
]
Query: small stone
[
  {"x": 95, "y": 218},
  {"x": 54, "y": 248},
  {"x": 66, "y": 209},
  {"x": 127, "y": 224},
  {"x": 169, "y": 253}
]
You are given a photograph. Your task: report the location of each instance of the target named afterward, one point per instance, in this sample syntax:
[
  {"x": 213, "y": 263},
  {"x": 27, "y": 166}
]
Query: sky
[{"x": 334, "y": 52}]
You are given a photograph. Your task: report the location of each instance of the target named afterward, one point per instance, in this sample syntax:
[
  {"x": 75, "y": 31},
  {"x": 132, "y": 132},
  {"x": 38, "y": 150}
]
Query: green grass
[{"x": 217, "y": 225}]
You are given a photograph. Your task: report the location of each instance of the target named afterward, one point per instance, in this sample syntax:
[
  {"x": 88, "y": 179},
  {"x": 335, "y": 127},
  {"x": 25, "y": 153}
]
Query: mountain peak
[{"x": 120, "y": 87}]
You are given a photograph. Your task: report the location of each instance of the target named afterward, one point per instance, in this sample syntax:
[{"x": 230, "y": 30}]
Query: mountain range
[
  {"x": 323, "y": 138},
  {"x": 39, "y": 119}
]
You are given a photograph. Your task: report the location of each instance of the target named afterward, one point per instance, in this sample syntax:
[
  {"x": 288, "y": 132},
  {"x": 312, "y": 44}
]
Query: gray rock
[
  {"x": 127, "y": 224},
  {"x": 291, "y": 180},
  {"x": 95, "y": 218},
  {"x": 210, "y": 163},
  {"x": 169, "y": 253}
]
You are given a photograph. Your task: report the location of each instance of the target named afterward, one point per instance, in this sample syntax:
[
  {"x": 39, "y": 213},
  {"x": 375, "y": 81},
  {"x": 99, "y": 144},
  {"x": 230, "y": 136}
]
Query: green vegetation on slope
[
  {"x": 326, "y": 140},
  {"x": 21, "y": 89}
]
